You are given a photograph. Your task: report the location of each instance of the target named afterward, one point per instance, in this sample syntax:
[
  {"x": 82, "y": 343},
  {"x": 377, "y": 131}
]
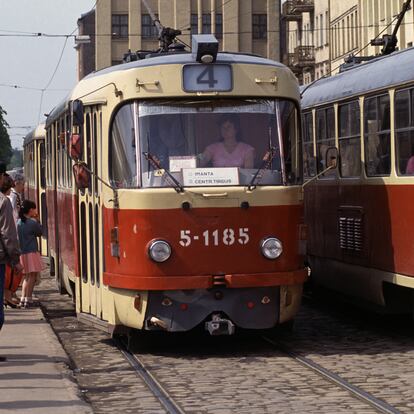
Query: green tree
[
  {"x": 5, "y": 145},
  {"x": 16, "y": 161}
]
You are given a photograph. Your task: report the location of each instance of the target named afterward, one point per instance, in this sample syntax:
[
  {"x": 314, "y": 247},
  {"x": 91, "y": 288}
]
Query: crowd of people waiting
[{"x": 20, "y": 260}]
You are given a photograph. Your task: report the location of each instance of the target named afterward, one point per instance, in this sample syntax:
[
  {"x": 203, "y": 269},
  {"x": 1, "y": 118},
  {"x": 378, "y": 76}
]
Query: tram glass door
[
  {"x": 90, "y": 222},
  {"x": 41, "y": 201}
]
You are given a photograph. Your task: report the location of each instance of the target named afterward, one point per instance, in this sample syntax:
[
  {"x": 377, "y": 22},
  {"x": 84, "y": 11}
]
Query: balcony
[
  {"x": 293, "y": 9},
  {"x": 304, "y": 57}
]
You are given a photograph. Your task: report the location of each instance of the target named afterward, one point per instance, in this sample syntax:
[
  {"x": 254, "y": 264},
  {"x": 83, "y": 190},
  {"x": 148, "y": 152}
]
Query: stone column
[
  {"x": 134, "y": 25},
  {"x": 182, "y": 16},
  {"x": 245, "y": 26},
  {"x": 166, "y": 12},
  {"x": 231, "y": 26},
  {"x": 273, "y": 28},
  {"x": 103, "y": 24}
]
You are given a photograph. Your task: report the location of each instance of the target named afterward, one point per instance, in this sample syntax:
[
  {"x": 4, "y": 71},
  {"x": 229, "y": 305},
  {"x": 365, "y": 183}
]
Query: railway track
[
  {"x": 172, "y": 406},
  {"x": 379, "y": 405},
  {"x": 152, "y": 383}
]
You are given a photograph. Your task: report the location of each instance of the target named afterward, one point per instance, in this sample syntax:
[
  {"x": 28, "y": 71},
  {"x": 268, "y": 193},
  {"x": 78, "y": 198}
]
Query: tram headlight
[
  {"x": 159, "y": 251},
  {"x": 271, "y": 247}
]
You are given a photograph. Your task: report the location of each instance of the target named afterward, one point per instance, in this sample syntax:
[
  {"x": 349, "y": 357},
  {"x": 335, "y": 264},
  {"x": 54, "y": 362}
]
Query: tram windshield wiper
[
  {"x": 154, "y": 161},
  {"x": 267, "y": 161}
]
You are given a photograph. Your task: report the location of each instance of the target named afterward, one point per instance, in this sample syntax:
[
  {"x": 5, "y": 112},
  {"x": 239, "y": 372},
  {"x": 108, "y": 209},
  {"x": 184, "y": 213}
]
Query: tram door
[
  {"x": 90, "y": 219},
  {"x": 41, "y": 194}
]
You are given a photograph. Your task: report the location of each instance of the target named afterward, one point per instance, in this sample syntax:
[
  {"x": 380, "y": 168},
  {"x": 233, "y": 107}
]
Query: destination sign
[{"x": 210, "y": 176}]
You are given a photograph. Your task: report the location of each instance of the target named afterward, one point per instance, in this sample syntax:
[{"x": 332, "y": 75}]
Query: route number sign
[{"x": 207, "y": 78}]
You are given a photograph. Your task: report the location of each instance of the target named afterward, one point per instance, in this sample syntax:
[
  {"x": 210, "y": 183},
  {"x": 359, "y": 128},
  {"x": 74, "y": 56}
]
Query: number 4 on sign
[{"x": 206, "y": 77}]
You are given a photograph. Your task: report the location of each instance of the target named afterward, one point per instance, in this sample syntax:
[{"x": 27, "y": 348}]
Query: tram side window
[
  {"x": 404, "y": 130},
  {"x": 42, "y": 165},
  {"x": 309, "y": 160},
  {"x": 292, "y": 151},
  {"x": 349, "y": 139},
  {"x": 123, "y": 165},
  {"x": 377, "y": 136},
  {"x": 325, "y": 136}
]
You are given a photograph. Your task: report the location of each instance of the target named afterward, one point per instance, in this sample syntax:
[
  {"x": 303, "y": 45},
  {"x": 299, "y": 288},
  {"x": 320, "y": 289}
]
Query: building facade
[
  {"x": 250, "y": 26},
  {"x": 322, "y": 33}
]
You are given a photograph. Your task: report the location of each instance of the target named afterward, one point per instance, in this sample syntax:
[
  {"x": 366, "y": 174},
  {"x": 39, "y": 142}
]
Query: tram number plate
[
  {"x": 228, "y": 237},
  {"x": 207, "y": 78}
]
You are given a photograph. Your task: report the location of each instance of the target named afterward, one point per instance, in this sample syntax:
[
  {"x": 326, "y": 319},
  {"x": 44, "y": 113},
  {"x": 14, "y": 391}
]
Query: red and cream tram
[
  {"x": 360, "y": 215},
  {"x": 154, "y": 233},
  {"x": 35, "y": 177}
]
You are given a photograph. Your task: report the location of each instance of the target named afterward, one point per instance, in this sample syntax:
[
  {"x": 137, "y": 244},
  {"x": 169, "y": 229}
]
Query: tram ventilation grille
[{"x": 350, "y": 233}]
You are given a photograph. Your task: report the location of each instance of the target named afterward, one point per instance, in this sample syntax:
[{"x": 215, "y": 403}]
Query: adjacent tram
[
  {"x": 147, "y": 234},
  {"x": 360, "y": 214},
  {"x": 35, "y": 177}
]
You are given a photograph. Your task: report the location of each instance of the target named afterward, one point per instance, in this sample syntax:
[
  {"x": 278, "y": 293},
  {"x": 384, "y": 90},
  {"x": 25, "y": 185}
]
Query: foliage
[
  {"x": 16, "y": 161},
  {"x": 5, "y": 145}
]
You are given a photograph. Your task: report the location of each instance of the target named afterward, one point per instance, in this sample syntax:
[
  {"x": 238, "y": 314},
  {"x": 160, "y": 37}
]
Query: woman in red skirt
[{"x": 28, "y": 229}]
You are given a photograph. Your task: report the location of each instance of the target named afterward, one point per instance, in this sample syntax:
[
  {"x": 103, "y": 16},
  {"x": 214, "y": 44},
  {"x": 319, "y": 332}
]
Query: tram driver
[{"x": 229, "y": 151}]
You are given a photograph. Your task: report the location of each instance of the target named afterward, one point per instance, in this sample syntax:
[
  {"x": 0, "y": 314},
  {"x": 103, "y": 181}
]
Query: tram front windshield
[{"x": 205, "y": 143}]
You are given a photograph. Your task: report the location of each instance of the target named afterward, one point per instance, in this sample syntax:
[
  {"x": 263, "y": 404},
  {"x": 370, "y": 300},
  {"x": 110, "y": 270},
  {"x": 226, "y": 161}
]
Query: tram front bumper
[{"x": 235, "y": 281}]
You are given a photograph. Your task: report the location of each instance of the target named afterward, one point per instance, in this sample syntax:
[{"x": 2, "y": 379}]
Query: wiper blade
[
  {"x": 267, "y": 160},
  {"x": 154, "y": 161}
]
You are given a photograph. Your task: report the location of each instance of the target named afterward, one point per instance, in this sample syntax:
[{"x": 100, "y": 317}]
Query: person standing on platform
[
  {"x": 16, "y": 195},
  {"x": 9, "y": 245},
  {"x": 28, "y": 229},
  {"x": 9, "y": 299}
]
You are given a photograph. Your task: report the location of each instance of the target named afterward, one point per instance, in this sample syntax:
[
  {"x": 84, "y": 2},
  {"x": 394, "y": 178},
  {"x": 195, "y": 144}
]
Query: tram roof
[
  {"x": 380, "y": 73},
  {"x": 37, "y": 133},
  {"x": 183, "y": 58},
  {"x": 165, "y": 59}
]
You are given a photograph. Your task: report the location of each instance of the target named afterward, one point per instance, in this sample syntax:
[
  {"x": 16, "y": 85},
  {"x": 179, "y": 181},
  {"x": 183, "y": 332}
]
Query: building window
[
  {"x": 148, "y": 28},
  {"x": 219, "y": 26},
  {"x": 194, "y": 23},
  {"x": 259, "y": 26},
  {"x": 321, "y": 32},
  {"x": 206, "y": 23},
  {"x": 120, "y": 25},
  {"x": 317, "y": 26}
]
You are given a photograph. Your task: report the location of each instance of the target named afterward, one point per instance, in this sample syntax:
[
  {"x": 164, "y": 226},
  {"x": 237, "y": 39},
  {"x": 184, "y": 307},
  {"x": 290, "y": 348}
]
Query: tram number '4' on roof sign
[{"x": 207, "y": 78}]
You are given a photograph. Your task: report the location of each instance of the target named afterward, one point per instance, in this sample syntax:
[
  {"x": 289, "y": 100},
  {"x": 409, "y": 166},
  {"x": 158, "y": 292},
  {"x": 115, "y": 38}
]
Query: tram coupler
[
  {"x": 220, "y": 326},
  {"x": 157, "y": 322}
]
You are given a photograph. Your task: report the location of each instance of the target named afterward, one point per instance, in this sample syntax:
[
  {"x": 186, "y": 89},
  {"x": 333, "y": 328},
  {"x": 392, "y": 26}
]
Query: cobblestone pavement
[
  {"x": 373, "y": 352},
  {"x": 243, "y": 373}
]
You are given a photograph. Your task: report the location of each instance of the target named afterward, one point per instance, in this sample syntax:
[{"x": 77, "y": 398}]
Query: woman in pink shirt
[
  {"x": 229, "y": 151},
  {"x": 410, "y": 166}
]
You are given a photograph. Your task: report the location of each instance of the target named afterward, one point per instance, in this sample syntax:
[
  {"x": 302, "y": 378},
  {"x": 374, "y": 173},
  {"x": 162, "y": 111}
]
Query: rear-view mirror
[
  {"x": 76, "y": 146},
  {"x": 82, "y": 176},
  {"x": 331, "y": 158},
  {"x": 77, "y": 113}
]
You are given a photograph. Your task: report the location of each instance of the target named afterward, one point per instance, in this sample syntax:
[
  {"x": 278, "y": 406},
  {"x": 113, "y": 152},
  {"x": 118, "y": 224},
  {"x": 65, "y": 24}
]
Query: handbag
[{"x": 12, "y": 279}]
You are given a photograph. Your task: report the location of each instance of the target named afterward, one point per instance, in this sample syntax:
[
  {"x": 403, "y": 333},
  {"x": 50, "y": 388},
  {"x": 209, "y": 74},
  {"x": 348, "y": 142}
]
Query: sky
[{"x": 29, "y": 62}]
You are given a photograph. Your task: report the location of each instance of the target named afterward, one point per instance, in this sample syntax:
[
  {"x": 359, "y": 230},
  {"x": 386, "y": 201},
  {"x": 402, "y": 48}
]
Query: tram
[
  {"x": 147, "y": 230},
  {"x": 35, "y": 177},
  {"x": 360, "y": 213}
]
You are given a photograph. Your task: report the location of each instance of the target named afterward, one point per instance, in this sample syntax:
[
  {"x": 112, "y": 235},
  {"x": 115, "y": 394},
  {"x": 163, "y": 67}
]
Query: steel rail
[
  {"x": 154, "y": 386},
  {"x": 362, "y": 395}
]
